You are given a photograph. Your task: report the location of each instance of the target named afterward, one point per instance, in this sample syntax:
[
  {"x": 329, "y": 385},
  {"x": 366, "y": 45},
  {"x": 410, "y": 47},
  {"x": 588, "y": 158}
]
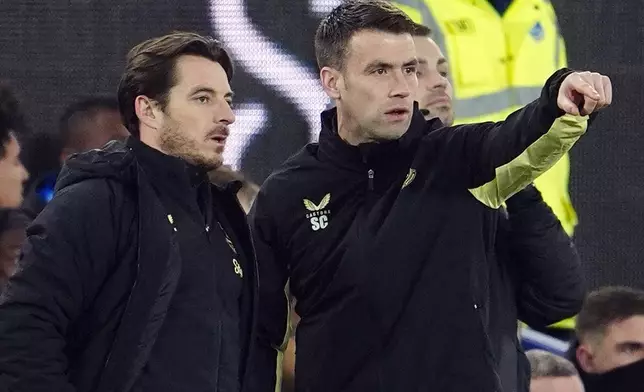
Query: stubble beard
[{"x": 175, "y": 143}]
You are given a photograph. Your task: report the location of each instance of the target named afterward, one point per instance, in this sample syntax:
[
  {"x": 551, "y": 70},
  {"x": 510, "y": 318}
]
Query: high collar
[
  {"x": 334, "y": 148},
  {"x": 622, "y": 379},
  {"x": 165, "y": 168}
]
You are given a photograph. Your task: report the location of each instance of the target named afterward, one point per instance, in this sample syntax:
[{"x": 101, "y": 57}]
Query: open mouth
[{"x": 397, "y": 112}]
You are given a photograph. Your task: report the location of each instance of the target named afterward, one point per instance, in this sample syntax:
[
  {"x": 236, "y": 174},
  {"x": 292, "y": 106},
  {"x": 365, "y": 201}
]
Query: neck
[{"x": 351, "y": 132}]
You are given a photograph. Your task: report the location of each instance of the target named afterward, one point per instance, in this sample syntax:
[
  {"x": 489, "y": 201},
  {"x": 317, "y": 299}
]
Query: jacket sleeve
[
  {"x": 496, "y": 160},
  {"x": 549, "y": 279},
  {"x": 63, "y": 263},
  {"x": 273, "y": 322}
]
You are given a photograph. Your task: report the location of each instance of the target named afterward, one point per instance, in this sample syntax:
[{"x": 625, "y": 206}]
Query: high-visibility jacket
[{"x": 499, "y": 63}]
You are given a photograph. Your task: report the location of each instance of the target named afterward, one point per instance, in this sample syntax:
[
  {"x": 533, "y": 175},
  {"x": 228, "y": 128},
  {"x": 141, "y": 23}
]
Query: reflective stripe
[
  {"x": 525, "y": 95},
  {"x": 481, "y": 105},
  {"x": 432, "y": 23},
  {"x": 558, "y": 38},
  {"x": 557, "y": 50},
  {"x": 533, "y": 162}
]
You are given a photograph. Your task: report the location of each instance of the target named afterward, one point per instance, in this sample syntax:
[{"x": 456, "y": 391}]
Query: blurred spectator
[
  {"x": 12, "y": 233},
  {"x": 90, "y": 123},
  {"x": 552, "y": 373},
  {"x": 12, "y": 173},
  {"x": 610, "y": 333},
  {"x": 85, "y": 125}
]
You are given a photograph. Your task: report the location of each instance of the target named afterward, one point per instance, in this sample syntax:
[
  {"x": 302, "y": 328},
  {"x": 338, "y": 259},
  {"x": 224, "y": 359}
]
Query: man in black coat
[
  {"x": 385, "y": 230},
  {"x": 139, "y": 275}
]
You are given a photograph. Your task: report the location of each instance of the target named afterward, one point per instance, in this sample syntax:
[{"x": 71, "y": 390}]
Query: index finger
[{"x": 583, "y": 87}]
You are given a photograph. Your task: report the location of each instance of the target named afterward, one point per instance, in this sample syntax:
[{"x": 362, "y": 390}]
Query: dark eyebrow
[
  {"x": 382, "y": 64},
  {"x": 441, "y": 61},
  {"x": 210, "y": 91},
  {"x": 411, "y": 62},
  {"x": 379, "y": 64},
  {"x": 630, "y": 344}
]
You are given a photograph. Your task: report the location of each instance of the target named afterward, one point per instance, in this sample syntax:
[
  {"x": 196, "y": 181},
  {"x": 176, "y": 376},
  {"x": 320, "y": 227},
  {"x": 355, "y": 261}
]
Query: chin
[
  {"x": 206, "y": 161},
  {"x": 11, "y": 202}
]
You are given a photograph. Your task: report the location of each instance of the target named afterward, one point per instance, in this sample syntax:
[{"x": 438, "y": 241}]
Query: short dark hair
[
  {"x": 422, "y": 31},
  {"x": 337, "y": 28},
  {"x": 83, "y": 109},
  {"x": 150, "y": 69},
  {"x": 547, "y": 364},
  {"x": 606, "y": 306},
  {"x": 12, "y": 119}
]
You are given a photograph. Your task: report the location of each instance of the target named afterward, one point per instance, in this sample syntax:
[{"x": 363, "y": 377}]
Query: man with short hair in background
[
  {"x": 610, "y": 340},
  {"x": 552, "y": 373}
]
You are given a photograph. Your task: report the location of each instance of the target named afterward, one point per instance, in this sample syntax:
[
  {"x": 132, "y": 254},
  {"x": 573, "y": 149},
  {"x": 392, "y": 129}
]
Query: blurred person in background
[
  {"x": 86, "y": 124},
  {"x": 90, "y": 123},
  {"x": 610, "y": 340},
  {"x": 12, "y": 172},
  {"x": 552, "y": 373},
  {"x": 378, "y": 245},
  {"x": 139, "y": 275},
  {"x": 500, "y": 53},
  {"x": 12, "y": 177}
]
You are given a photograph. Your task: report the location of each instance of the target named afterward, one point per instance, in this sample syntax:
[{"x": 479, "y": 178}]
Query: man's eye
[{"x": 410, "y": 70}]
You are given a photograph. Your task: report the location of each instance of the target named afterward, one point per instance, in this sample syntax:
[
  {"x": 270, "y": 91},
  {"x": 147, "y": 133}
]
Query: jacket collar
[
  {"x": 333, "y": 148},
  {"x": 171, "y": 171}
]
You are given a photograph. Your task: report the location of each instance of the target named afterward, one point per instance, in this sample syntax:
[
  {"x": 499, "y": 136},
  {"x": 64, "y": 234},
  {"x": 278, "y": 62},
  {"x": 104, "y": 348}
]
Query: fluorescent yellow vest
[{"x": 498, "y": 64}]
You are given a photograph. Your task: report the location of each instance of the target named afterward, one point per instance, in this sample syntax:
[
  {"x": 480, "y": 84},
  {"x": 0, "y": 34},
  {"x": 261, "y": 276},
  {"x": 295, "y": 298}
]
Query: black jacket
[
  {"x": 392, "y": 258},
  {"x": 96, "y": 277},
  {"x": 535, "y": 276}
]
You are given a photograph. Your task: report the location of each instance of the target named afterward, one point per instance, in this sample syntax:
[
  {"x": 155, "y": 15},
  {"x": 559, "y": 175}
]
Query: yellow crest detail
[
  {"x": 410, "y": 178},
  {"x": 238, "y": 268},
  {"x": 313, "y": 207}
]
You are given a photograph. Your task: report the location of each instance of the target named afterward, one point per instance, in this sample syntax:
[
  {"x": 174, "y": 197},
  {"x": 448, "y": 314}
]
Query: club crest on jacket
[{"x": 318, "y": 215}]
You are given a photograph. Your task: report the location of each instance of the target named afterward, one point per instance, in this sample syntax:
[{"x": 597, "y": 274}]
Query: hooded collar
[
  {"x": 333, "y": 148},
  {"x": 623, "y": 379},
  {"x": 165, "y": 168}
]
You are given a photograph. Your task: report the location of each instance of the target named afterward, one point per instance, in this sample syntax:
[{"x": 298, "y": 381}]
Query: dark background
[{"x": 53, "y": 51}]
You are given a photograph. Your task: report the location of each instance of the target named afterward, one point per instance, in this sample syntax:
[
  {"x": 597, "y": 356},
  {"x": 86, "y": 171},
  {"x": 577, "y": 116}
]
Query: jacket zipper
[{"x": 370, "y": 175}]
